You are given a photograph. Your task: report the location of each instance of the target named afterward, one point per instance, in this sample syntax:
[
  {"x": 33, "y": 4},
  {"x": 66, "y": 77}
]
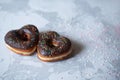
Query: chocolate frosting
[
  {"x": 23, "y": 38},
  {"x": 51, "y": 44}
]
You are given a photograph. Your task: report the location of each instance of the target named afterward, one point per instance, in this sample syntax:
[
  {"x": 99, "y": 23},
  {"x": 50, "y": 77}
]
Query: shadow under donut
[{"x": 77, "y": 48}]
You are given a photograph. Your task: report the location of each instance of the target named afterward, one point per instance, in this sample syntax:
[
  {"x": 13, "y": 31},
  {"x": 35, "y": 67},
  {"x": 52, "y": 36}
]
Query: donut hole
[
  {"x": 52, "y": 43},
  {"x": 55, "y": 43},
  {"x": 23, "y": 37}
]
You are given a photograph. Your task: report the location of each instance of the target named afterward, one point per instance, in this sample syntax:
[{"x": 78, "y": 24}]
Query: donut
[
  {"x": 23, "y": 41},
  {"x": 53, "y": 47}
]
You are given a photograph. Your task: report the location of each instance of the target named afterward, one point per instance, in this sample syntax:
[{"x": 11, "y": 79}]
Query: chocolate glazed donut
[
  {"x": 53, "y": 47},
  {"x": 24, "y": 40}
]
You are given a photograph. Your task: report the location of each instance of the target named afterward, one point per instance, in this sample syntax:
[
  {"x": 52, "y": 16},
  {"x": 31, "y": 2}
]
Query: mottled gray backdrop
[{"x": 92, "y": 25}]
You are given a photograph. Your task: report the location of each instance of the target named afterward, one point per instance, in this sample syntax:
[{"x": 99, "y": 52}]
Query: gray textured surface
[{"x": 93, "y": 24}]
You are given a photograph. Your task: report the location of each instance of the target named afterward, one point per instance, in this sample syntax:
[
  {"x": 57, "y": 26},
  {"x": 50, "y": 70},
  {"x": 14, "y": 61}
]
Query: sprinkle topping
[{"x": 51, "y": 43}]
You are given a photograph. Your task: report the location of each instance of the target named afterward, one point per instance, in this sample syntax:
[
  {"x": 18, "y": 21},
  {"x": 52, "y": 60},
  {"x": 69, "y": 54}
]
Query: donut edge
[
  {"x": 27, "y": 52},
  {"x": 54, "y": 58}
]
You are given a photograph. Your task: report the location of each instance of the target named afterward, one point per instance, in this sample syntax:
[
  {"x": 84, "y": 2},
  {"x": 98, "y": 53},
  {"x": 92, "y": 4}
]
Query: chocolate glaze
[
  {"x": 52, "y": 44},
  {"x": 23, "y": 38}
]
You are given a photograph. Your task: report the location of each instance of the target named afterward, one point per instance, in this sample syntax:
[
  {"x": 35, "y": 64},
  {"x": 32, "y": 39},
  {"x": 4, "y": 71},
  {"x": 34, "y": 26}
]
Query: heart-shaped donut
[
  {"x": 53, "y": 47},
  {"x": 24, "y": 40}
]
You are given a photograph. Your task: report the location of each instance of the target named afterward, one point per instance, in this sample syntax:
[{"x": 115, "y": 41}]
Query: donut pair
[{"x": 50, "y": 45}]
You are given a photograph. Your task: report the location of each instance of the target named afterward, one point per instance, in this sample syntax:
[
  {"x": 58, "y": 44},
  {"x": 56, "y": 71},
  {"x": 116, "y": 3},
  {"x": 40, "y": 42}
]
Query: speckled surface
[{"x": 93, "y": 25}]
